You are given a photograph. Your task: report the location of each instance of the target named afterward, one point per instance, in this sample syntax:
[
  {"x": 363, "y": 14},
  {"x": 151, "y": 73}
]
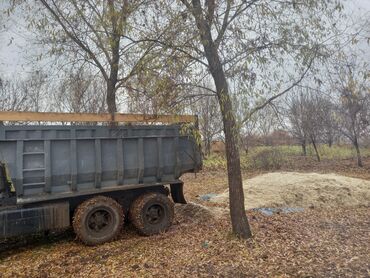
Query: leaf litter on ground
[{"x": 317, "y": 242}]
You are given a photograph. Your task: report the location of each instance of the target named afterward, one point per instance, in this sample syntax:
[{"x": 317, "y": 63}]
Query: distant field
[{"x": 274, "y": 157}]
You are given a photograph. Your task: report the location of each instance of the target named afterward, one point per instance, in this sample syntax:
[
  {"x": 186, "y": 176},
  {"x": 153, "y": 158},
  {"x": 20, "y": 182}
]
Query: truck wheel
[
  {"x": 98, "y": 220},
  {"x": 152, "y": 213}
]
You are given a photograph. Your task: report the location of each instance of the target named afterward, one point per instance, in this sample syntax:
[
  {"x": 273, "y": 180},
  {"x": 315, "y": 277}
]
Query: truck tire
[
  {"x": 98, "y": 220},
  {"x": 152, "y": 213}
]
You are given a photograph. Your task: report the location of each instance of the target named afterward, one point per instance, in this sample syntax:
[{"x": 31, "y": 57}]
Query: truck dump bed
[{"x": 54, "y": 162}]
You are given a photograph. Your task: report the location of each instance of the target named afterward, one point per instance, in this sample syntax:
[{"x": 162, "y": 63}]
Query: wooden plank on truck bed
[{"x": 12, "y": 116}]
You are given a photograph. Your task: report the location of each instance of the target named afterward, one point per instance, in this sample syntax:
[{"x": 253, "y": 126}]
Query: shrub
[
  {"x": 214, "y": 161},
  {"x": 268, "y": 159}
]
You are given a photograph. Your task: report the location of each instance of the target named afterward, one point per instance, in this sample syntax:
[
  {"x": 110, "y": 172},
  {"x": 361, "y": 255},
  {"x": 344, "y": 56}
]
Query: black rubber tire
[
  {"x": 141, "y": 217},
  {"x": 93, "y": 213}
]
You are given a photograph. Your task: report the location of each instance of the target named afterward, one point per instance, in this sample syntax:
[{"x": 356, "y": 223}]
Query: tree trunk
[
  {"x": 208, "y": 147},
  {"x": 117, "y": 20},
  {"x": 330, "y": 139},
  {"x": 239, "y": 218},
  {"x": 330, "y": 143},
  {"x": 313, "y": 141},
  {"x": 357, "y": 147},
  {"x": 111, "y": 97},
  {"x": 304, "y": 148},
  {"x": 113, "y": 79}
]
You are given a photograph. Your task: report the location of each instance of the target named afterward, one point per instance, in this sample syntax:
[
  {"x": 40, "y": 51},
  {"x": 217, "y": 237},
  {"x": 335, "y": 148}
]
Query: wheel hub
[
  {"x": 154, "y": 214},
  {"x": 99, "y": 220}
]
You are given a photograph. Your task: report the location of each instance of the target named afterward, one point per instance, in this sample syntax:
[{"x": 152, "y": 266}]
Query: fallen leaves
[
  {"x": 319, "y": 243},
  {"x": 312, "y": 243}
]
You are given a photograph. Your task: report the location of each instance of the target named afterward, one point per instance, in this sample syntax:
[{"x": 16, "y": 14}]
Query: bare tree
[
  {"x": 311, "y": 119},
  {"x": 207, "y": 110},
  {"x": 268, "y": 121},
  {"x": 13, "y": 97},
  {"x": 35, "y": 87},
  {"x": 23, "y": 94},
  {"x": 295, "y": 115},
  {"x": 353, "y": 112},
  {"x": 81, "y": 92},
  {"x": 248, "y": 133},
  {"x": 92, "y": 34},
  {"x": 327, "y": 121}
]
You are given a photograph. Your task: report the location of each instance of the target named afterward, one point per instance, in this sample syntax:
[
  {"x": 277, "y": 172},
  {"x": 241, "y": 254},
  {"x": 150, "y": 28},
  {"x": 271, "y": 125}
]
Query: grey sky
[{"x": 14, "y": 45}]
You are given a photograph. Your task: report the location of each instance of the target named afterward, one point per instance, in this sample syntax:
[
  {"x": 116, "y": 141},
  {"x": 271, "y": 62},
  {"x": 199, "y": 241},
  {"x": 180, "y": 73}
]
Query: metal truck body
[{"x": 47, "y": 171}]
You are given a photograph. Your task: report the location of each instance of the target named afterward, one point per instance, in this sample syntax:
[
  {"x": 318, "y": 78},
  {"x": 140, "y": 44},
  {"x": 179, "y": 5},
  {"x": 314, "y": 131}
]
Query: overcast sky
[{"x": 15, "y": 48}]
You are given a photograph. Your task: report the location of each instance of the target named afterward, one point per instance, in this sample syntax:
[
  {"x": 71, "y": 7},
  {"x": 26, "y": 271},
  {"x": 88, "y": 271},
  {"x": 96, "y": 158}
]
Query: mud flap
[{"x": 177, "y": 193}]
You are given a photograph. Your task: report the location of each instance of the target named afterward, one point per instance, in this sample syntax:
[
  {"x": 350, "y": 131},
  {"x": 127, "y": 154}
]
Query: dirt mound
[
  {"x": 290, "y": 189},
  {"x": 196, "y": 213}
]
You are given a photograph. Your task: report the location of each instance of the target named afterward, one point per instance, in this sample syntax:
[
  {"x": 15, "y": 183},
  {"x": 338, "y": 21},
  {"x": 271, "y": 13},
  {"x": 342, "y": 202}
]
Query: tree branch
[
  {"x": 227, "y": 21},
  {"x": 58, "y": 18},
  {"x": 198, "y": 86},
  {"x": 172, "y": 47},
  {"x": 271, "y": 99},
  {"x": 99, "y": 41}
]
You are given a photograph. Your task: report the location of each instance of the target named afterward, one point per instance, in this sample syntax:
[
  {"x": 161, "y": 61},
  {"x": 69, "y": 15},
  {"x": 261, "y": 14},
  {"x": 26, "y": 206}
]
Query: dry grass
[{"x": 289, "y": 158}]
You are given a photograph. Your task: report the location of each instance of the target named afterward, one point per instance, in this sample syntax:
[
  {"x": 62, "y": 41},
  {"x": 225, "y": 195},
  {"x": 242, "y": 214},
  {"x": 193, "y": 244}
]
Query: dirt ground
[{"x": 318, "y": 242}]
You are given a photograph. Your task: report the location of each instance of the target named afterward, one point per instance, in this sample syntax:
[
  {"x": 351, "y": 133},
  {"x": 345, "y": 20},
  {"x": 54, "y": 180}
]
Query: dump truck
[{"x": 93, "y": 177}]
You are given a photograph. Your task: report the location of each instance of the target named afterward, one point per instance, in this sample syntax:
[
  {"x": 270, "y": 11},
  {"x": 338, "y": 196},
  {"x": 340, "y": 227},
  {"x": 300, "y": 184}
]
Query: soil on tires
[
  {"x": 152, "y": 213},
  {"x": 98, "y": 220}
]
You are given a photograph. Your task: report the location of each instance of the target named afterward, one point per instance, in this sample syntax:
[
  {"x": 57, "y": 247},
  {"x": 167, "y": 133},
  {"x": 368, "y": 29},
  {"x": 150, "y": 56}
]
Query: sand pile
[{"x": 289, "y": 189}]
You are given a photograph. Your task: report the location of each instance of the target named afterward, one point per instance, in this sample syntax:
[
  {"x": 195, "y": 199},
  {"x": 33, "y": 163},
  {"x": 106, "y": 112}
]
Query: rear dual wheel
[
  {"x": 152, "y": 213},
  {"x": 98, "y": 220}
]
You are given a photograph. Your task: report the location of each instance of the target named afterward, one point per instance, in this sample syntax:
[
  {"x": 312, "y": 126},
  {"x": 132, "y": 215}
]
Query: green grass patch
[
  {"x": 338, "y": 152},
  {"x": 273, "y": 157}
]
